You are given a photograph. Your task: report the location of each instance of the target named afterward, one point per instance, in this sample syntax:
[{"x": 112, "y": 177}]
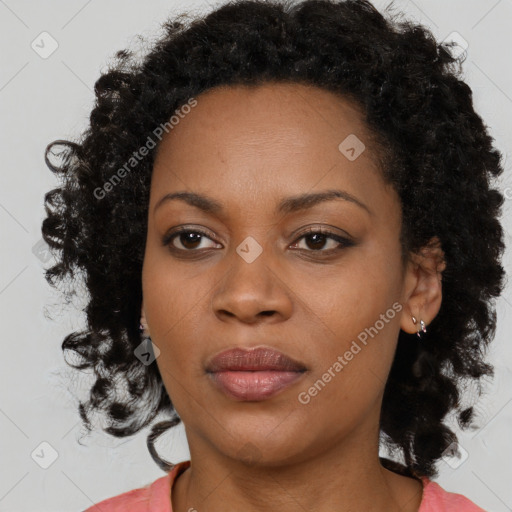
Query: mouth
[{"x": 253, "y": 375}]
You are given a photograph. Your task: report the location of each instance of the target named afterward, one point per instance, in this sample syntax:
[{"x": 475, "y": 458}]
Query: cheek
[
  {"x": 349, "y": 297},
  {"x": 358, "y": 316},
  {"x": 170, "y": 303},
  {"x": 170, "y": 295},
  {"x": 352, "y": 366}
]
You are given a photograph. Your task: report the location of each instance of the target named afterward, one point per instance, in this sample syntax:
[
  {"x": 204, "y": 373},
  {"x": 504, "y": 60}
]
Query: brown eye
[
  {"x": 186, "y": 240},
  {"x": 316, "y": 240},
  {"x": 189, "y": 240}
]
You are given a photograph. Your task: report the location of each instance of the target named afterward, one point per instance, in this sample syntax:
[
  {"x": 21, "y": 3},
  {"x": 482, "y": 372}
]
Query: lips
[
  {"x": 253, "y": 374},
  {"x": 258, "y": 359}
]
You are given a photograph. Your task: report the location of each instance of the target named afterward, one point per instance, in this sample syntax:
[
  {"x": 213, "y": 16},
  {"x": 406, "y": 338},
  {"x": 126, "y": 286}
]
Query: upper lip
[{"x": 255, "y": 359}]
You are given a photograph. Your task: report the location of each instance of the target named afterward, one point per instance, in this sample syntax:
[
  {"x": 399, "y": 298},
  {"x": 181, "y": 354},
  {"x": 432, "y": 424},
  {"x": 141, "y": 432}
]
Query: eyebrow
[{"x": 286, "y": 206}]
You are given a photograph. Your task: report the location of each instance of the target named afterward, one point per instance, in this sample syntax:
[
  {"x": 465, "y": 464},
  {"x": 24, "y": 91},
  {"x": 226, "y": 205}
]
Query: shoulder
[
  {"x": 437, "y": 499},
  {"x": 136, "y": 500},
  {"x": 154, "y": 497}
]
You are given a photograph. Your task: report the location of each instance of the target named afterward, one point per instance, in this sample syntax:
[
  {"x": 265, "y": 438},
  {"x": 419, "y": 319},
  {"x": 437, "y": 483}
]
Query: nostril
[{"x": 267, "y": 313}]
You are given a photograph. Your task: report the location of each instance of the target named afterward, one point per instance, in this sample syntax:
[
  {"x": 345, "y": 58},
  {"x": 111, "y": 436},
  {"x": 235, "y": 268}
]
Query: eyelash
[{"x": 344, "y": 242}]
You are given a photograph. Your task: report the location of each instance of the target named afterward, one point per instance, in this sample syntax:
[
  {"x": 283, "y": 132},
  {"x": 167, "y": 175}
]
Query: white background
[{"x": 46, "y": 99}]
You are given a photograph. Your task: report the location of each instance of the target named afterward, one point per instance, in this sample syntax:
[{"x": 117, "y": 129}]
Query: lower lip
[{"x": 253, "y": 385}]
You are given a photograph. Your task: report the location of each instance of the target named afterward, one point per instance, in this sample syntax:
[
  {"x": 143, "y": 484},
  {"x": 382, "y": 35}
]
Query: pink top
[{"x": 156, "y": 497}]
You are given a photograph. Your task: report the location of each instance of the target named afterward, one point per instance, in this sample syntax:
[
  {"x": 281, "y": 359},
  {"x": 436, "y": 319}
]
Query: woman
[{"x": 270, "y": 213}]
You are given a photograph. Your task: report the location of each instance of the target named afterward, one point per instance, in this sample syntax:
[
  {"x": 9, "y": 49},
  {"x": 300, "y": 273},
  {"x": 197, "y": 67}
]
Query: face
[{"x": 259, "y": 265}]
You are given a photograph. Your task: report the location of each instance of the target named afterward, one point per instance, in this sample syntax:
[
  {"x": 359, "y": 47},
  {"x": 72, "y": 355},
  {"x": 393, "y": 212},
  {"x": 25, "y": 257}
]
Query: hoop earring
[
  {"x": 142, "y": 328},
  {"x": 422, "y": 329}
]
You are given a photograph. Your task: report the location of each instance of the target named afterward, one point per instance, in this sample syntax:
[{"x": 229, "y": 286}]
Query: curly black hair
[{"x": 433, "y": 148}]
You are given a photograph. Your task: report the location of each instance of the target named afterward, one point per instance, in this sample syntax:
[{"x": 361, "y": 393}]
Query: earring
[
  {"x": 423, "y": 327},
  {"x": 142, "y": 328}
]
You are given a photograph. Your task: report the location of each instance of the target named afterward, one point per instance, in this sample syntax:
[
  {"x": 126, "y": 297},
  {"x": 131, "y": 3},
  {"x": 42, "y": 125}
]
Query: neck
[{"x": 345, "y": 478}]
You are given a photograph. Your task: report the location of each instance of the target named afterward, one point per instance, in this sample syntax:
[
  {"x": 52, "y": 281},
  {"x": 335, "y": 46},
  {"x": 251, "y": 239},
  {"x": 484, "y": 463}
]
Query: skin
[{"x": 249, "y": 148}]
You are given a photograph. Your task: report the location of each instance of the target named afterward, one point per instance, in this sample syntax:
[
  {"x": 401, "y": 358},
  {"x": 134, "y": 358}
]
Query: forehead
[
  {"x": 276, "y": 137},
  {"x": 297, "y": 114}
]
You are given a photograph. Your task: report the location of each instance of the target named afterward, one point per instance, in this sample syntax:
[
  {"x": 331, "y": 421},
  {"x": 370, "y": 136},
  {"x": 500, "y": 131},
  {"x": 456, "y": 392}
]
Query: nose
[{"x": 252, "y": 292}]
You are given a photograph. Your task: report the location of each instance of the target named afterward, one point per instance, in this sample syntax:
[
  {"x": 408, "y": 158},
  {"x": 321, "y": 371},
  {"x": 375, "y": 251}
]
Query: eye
[
  {"x": 316, "y": 239},
  {"x": 186, "y": 239},
  {"x": 190, "y": 240}
]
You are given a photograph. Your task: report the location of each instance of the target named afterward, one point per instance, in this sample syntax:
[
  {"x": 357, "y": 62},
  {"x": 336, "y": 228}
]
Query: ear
[{"x": 423, "y": 288}]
